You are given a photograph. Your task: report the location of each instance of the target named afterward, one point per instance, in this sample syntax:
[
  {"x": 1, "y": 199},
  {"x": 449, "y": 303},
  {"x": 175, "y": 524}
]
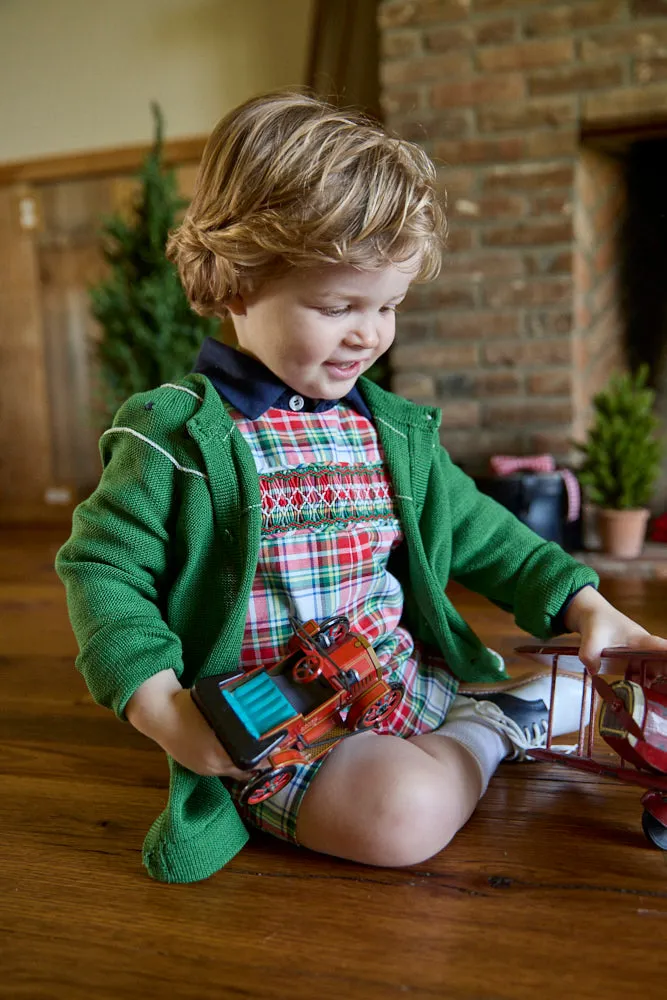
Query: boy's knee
[
  {"x": 409, "y": 820},
  {"x": 380, "y": 802}
]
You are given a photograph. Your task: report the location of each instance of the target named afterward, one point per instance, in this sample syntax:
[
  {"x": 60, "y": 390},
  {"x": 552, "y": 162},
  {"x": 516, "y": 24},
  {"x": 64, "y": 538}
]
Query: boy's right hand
[{"x": 165, "y": 712}]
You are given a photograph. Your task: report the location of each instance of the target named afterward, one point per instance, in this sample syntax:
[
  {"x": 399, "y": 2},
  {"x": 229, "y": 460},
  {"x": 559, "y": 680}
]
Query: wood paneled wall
[
  {"x": 26, "y": 470},
  {"x": 49, "y": 256}
]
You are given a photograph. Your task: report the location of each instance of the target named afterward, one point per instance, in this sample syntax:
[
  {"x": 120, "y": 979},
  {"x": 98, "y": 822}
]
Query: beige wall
[{"x": 79, "y": 75}]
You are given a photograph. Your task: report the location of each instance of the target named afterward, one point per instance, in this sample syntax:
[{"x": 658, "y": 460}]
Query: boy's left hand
[{"x": 601, "y": 625}]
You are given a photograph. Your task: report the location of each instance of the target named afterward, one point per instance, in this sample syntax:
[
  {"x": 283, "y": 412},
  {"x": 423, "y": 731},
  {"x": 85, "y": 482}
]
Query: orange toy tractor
[{"x": 329, "y": 686}]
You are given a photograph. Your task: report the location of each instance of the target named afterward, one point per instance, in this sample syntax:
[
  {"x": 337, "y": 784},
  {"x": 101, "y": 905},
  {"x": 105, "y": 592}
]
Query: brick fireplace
[{"x": 529, "y": 109}]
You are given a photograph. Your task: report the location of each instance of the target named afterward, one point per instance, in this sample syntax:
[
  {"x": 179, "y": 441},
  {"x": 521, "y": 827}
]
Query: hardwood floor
[{"x": 551, "y": 890}]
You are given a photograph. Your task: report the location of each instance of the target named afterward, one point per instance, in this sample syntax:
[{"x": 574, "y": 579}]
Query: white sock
[{"x": 486, "y": 745}]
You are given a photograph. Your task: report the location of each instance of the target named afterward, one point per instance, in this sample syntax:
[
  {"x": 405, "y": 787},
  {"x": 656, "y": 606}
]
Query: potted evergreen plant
[
  {"x": 621, "y": 461},
  {"x": 148, "y": 332}
]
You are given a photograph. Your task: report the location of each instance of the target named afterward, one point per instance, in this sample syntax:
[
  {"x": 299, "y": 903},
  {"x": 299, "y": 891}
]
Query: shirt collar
[{"x": 253, "y": 389}]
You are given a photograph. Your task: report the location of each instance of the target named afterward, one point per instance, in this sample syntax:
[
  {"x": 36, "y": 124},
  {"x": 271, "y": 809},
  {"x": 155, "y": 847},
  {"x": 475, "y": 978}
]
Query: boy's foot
[{"x": 521, "y": 712}]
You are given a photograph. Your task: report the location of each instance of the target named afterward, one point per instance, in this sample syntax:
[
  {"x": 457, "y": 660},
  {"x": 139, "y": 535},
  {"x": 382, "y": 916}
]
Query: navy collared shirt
[{"x": 253, "y": 389}]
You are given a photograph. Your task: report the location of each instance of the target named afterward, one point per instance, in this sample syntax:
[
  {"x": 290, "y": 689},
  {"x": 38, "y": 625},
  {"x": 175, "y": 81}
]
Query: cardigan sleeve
[
  {"x": 496, "y": 555},
  {"x": 114, "y": 566}
]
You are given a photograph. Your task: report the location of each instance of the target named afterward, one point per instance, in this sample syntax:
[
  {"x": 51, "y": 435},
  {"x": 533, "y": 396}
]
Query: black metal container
[{"x": 539, "y": 500}]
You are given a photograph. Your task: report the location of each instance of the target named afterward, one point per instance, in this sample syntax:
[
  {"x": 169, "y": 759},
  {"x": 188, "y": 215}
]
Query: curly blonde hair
[{"x": 287, "y": 180}]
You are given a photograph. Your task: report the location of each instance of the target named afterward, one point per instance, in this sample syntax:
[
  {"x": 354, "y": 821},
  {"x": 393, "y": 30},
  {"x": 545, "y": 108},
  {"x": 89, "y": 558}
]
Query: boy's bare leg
[{"x": 382, "y": 800}]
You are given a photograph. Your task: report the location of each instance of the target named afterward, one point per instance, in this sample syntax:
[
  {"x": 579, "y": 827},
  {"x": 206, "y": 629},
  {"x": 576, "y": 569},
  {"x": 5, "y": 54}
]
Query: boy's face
[{"x": 320, "y": 329}]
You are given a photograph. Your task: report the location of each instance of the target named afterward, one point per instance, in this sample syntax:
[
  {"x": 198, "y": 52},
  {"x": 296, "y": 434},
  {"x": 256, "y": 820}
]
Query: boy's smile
[{"x": 320, "y": 329}]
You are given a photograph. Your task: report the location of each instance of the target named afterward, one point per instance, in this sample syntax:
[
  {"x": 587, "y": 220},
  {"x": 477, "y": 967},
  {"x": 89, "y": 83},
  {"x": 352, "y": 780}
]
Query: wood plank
[
  {"x": 25, "y": 447},
  {"x": 70, "y": 263}
]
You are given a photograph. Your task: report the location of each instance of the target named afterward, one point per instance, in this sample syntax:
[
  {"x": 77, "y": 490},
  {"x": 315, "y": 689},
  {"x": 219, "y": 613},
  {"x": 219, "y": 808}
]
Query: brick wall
[{"x": 522, "y": 324}]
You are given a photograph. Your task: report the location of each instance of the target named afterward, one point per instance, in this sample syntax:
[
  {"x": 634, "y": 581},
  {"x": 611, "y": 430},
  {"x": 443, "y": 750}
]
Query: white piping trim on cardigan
[
  {"x": 391, "y": 427},
  {"x": 154, "y": 444},
  {"x": 182, "y": 388}
]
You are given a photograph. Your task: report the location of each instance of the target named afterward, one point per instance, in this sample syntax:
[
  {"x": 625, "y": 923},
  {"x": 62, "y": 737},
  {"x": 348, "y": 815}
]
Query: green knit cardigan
[{"x": 161, "y": 560}]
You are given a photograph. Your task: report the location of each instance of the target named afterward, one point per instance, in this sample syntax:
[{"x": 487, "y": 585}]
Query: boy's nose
[{"x": 364, "y": 335}]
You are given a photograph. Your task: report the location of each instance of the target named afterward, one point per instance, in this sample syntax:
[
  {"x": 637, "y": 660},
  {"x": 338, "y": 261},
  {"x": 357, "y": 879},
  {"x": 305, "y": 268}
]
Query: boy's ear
[{"x": 236, "y": 305}]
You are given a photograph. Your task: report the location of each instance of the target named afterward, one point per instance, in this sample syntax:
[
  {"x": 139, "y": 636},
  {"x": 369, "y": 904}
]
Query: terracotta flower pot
[{"x": 622, "y": 532}]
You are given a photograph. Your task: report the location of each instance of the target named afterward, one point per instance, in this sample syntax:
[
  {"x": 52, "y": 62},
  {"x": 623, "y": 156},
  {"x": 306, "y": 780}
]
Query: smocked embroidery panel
[{"x": 314, "y": 497}]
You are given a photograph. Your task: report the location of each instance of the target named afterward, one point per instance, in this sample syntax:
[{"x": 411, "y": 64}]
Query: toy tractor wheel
[
  {"x": 655, "y": 831},
  {"x": 369, "y": 711},
  {"x": 333, "y": 630},
  {"x": 267, "y": 784},
  {"x": 308, "y": 669}
]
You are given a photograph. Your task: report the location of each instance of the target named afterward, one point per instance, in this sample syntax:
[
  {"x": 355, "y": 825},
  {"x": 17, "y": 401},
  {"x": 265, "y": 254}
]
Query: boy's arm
[
  {"x": 165, "y": 712},
  {"x": 496, "y": 555},
  {"x": 601, "y": 625},
  {"x": 113, "y": 566}
]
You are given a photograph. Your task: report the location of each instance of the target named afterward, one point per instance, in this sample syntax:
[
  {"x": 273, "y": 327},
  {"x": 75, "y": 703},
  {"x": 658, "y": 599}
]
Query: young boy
[{"x": 274, "y": 482}]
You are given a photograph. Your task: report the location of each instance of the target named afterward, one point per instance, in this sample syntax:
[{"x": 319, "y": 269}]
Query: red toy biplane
[{"x": 632, "y": 721}]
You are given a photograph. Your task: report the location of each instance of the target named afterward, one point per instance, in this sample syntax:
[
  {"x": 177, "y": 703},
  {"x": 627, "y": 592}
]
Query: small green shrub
[{"x": 621, "y": 457}]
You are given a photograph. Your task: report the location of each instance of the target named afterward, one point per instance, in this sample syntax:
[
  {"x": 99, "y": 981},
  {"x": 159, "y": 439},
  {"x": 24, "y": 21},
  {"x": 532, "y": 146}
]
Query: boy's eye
[
  {"x": 344, "y": 310},
  {"x": 334, "y": 310}
]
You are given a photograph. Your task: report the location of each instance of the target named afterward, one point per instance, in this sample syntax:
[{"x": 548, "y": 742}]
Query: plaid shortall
[{"x": 328, "y": 527}]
